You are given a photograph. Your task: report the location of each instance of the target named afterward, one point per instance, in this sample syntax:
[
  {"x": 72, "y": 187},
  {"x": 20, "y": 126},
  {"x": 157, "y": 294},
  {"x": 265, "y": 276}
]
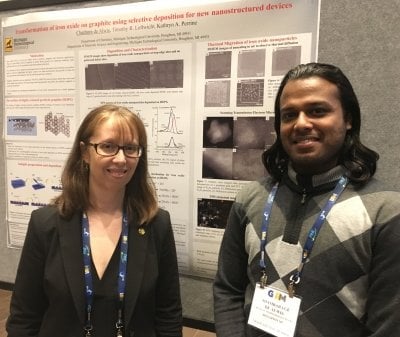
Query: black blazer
[{"x": 49, "y": 299}]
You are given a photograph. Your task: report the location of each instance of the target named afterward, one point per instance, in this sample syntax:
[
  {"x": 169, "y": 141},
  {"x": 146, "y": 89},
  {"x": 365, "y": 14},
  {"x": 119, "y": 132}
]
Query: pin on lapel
[{"x": 141, "y": 231}]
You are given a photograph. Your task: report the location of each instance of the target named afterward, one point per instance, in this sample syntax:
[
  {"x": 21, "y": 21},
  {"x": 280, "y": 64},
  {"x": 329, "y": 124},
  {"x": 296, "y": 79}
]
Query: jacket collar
[
  {"x": 314, "y": 183},
  {"x": 138, "y": 242},
  {"x": 71, "y": 251}
]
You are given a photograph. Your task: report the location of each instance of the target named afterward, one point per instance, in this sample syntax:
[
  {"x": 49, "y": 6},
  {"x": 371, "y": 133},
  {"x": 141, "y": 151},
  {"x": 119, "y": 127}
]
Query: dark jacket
[{"x": 49, "y": 300}]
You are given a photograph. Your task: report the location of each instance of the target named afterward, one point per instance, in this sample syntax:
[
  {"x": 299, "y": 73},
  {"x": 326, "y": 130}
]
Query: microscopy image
[
  {"x": 232, "y": 148},
  {"x": 132, "y": 75},
  {"x": 284, "y": 59},
  {"x": 217, "y": 93},
  {"x": 166, "y": 74},
  {"x": 213, "y": 213},
  {"x": 247, "y": 165},
  {"x": 250, "y": 93},
  {"x": 251, "y": 63},
  {"x": 253, "y": 133},
  {"x": 217, "y": 164},
  {"x": 218, "y": 65},
  {"x": 218, "y": 132},
  {"x": 100, "y": 76},
  {"x": 249, "y": 133}
]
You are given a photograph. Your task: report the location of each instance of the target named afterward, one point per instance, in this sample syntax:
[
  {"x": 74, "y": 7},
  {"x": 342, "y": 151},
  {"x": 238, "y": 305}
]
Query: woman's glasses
[{"x": 111, "y": 149}]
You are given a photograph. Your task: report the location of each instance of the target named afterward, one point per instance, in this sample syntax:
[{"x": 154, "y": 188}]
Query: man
[{"x": 329, "y": 232}]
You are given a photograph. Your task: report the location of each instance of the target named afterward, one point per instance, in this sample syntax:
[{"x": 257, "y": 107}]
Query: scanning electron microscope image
[
  {"x": 134, "y": 75},
  {"x": 250, "y": 92},
  {"x": 251, "y": 63},
  {"x": 285, "y": 58},
  {"x": 218, "y": 65}
]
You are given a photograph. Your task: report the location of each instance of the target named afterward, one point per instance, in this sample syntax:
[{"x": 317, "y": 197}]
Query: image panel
[
  {"x": 284, "y": 59},
  {"x": 132, "y": 75},
  {"x": 249, "y": 133},
  {"x": 253, "y": 133},
  {"x": 100, "y": 76},
  {"x": 250, "y": 93},
  {"x": 57, "y": 123},
  {"x": 218, "y": 132},
  {"x": 22, "y": 125},
  {"x": 251, "y": 63},
  {"x": 218, "y": 65},
  {"x": 217, "y": 93},
  {"x": 217, "y": 164},
  {"x": 166, "y": 74},
  {"x": 213, "y": 213},
  {"x": 247, "y": 165}
]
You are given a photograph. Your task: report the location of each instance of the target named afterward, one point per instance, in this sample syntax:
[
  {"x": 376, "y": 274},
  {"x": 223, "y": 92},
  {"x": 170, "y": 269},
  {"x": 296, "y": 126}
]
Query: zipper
[{"x": 304, "y": 196}]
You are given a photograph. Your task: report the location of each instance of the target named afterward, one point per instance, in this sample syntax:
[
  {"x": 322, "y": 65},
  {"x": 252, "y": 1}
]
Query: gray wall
[{"x": 362, "y": 38}]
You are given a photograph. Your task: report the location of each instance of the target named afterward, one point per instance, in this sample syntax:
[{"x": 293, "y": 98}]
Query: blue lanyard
[
  {"x": 264, "y": 231},
  {"x": 89, "y": 278},
  {"x": 312, "y": 234}
]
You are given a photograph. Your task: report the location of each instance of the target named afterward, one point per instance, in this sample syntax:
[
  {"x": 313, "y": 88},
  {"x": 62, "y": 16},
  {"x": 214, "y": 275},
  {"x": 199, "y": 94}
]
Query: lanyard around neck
[
  {"x": 89, "y": 292},
  {"x": 312, "y": 234}
]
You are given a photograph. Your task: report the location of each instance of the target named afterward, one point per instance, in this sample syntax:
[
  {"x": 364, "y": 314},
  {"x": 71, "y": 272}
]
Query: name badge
[{"x": 274, "y": 311}]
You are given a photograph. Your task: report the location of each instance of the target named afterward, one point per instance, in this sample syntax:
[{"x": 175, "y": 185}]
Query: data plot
[{"x": 168, "y": 130}]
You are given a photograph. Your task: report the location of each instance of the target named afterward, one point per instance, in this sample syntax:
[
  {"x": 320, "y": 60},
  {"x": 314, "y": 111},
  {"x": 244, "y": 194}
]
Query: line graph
[
  {"x": 171, "y": 125},
  {"x": 168, "y": 130}
]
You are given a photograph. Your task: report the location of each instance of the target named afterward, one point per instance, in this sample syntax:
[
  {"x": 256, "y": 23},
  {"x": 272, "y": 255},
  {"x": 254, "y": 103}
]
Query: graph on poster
[{"x": 168, "y": 130}]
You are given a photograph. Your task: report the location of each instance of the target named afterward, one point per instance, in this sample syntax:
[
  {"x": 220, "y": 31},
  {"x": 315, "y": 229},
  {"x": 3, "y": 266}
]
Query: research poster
[{"x": 201, "y": 75}]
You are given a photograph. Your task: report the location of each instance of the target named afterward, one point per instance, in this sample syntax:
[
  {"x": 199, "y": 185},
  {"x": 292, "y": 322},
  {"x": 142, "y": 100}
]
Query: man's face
[{"x": 312, "y": 126}]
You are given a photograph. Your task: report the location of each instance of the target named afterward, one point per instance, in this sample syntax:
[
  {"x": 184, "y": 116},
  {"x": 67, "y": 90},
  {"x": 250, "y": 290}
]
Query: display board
[
  {"x": 205, "y": 95},
  {"x": 361, "y": 38}
]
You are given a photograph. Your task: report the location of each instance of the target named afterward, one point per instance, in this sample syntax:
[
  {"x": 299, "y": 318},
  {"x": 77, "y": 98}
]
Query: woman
[{"x": 100, "y": 260}]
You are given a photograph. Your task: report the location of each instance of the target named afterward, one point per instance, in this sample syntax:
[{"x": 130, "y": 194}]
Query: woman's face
[{"x": 112, "y": 173}]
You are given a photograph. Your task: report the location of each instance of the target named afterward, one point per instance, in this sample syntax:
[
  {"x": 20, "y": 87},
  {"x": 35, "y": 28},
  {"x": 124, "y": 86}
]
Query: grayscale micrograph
[
  {"x": 100, "y": 76},
  {"x": 134, "y": 75},
  {"x": 218, "y": 65},
  {"x": 217, "y": 93},
  {"x": 213, "y": 213},
  {"x": 166, "y": 74},
  {"x": 232, "y": 148},
  {"x": 253, "y": 133},
  {"x": 217, "y": 163},
  {"x": 251, "y": 63},
  {"x": 247, "y": 165},
  {"x": 218, "y": 132},
  {"x": 250, "y": 93},
  {"x": 284, "y": 59}
]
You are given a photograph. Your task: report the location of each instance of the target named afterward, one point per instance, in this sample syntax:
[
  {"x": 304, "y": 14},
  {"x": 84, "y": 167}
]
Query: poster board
[{"x": 202, "y": 77}]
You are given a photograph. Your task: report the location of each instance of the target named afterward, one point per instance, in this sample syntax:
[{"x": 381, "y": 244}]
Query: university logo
[{"x": 8, "y": 44}]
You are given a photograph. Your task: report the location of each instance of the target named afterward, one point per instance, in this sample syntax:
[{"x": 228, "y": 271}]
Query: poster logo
[{"x": 8, "y": 44}]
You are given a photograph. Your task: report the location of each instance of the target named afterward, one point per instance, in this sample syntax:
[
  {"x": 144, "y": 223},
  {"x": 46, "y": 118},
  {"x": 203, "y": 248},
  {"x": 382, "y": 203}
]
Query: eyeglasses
[{"x": 111, "y": 149}]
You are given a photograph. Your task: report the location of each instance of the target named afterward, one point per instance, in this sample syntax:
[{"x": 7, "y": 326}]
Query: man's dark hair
[{"x": 359, "y": 160}]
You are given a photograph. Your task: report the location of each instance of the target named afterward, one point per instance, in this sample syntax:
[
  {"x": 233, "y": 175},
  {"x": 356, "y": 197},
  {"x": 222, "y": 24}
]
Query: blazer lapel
[
  {"x": 137, "y": 250},
  {"x": 71, "y": 250}
]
